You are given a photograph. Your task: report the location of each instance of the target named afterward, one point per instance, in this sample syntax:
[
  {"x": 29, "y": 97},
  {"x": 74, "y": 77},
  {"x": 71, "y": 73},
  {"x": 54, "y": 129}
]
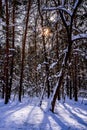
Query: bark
[
  {"x": 7, "y": 55},
  {"x": 0, "y": 8},
  {"x": 70, "y": 89},
  {"x": 67, "y": 85},
  {"x": 57, "y": 51},
  {"x": 23, "y": 50},
  {"x": 13, "y": 40},
  {"x": 75, "y": 80},
  {"x": 3, "y": 87}
]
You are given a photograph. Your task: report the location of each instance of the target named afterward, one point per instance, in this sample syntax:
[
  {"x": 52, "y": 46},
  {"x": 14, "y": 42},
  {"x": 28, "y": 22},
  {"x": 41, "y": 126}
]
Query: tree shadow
[
  {"x": 46, "y": 122},
  {"x": 75, "y": 116},
  {"x": 52, "y": 118},
  {"x": 39, "y": 118}
]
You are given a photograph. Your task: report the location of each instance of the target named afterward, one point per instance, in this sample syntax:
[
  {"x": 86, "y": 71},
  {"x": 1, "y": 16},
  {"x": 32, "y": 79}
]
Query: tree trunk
[
  {"x": 68, "y": 51},
  {"x": 0, "y": 8},
  {"x": 23, "y": 50},
  {"x": 70, "y": 89},
  {"x": 57, "y": 51},
  {"x": 7, "y": 55},
  {"x": 62, "y": 72},
  {"x": 75, "y": 80},
  {"x": 13, "y": 40}
]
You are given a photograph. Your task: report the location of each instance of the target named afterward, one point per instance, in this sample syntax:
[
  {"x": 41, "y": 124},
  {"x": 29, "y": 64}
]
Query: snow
[
  {"x": 79, "y": 36},
  {"x": 29, "y": 116},
  {"x": 58, "y": 8},
  {"x": 52, "y": 65},
  {"x": 76, "y": 3},
  {"x": 38, "y": 67},
  {"x": 63, "y": 1},
  {"x": 11, "y": 49},
  {"x": 2, "y": 23}
]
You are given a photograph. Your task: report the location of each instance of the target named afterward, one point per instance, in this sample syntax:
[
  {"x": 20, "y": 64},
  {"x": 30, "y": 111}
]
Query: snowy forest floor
[{"x": 28, "y": 115}]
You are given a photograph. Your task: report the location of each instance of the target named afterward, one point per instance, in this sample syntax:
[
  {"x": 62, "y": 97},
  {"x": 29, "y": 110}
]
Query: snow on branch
[
  {"x": 79, "y": 36},
  {"x": 58, "y": 8},
  {"x": 76, "y": 3},
  {"x": 63, "y": 1}
]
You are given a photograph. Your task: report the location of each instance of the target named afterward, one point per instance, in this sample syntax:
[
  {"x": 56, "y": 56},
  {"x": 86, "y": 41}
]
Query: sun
[{"x": 46, "y": 31}]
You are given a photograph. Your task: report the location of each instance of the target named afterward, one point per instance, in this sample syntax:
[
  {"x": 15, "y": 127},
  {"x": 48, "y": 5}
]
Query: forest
[
  {"x": 43, "y": 55},
  {"x": 43, "y": 50}
]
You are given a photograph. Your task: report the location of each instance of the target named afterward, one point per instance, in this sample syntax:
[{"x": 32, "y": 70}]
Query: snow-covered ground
[{"x": 28, "y": 116}]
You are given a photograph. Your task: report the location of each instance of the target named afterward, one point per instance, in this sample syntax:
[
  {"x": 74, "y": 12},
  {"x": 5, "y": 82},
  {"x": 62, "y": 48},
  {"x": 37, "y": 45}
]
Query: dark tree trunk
[
  {"x": 70, "y": 89},
  {"x": 3, "y": 87},
  {"x": 7, "y": 55},
  {"x": 13, "y": 40},
  {"x": 75, "y": 80},
  {"x": 0, "y": 8},
  {"x": 3, "y": 91},
  {"x": 67, "y": 85},
  {"x": 62, "y": 72},
  {"x": 23, "y": 50}
]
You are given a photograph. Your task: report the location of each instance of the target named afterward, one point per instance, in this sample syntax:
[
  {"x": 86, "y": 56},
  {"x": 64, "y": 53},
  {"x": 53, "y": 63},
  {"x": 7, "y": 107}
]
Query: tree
[
  {"x": 0, "y": 8},
  {"x": 13, "y": 41},
  {"x": 7, "y": 55},
  {"x": 69, "y": 31},
  {"x": 44, "y": 33},
  {"x": 23, "y": 49}
]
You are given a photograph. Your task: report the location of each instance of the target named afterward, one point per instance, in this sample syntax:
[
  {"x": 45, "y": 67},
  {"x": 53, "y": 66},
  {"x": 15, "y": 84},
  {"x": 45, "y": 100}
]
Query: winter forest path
[{"x": 28, "y": 116}]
